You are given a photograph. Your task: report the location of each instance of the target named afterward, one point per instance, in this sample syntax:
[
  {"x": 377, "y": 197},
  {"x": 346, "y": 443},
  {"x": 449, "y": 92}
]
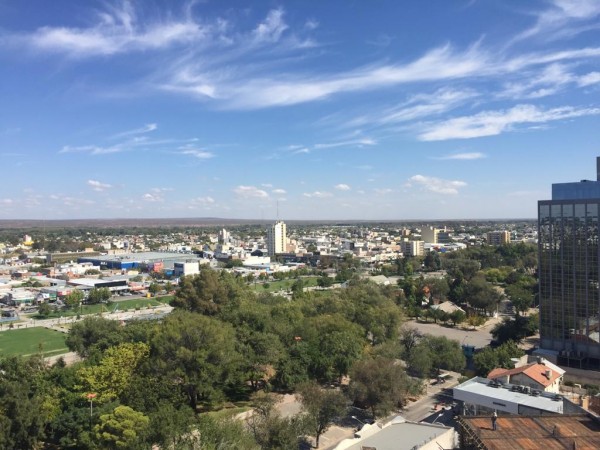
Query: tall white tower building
[{"x": 276, "y": 238}]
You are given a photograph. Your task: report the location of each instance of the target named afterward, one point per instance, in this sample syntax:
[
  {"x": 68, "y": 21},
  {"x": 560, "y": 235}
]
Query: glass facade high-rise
[{"x": 568, "y": 235}]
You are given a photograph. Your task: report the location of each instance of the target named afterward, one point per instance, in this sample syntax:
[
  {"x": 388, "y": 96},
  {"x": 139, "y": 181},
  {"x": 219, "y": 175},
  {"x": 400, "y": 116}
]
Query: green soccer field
[{"x": 30, "y": 341}]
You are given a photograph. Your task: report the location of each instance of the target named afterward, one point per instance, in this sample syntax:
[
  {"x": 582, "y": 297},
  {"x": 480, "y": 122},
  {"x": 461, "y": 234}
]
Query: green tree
[
  {"x": 432, "y": 261},
  {"x": 270, "y": 430},
  {"x": 26, "y": 402},
  {"x": 516, "y": 329},
  {"x": 409, "y": 338},
  {"x": 124, "y": 428},
  {"x": 74, "y": 298},
  {"x": 325, "y": 282},
  {"x": 199, "y": 352},
  {"x": 94, "y": 334},
  {"x": 520, "y": 296},
  {"x": 320, "y": 407},
  {"x": 297, "y": 289},
  {"x": 380, "y": 385},
  {"x": 334, "y": 344},
  {"x": 481, "y": 295},
  {"x": 154, "y": 289},
  {"x": 209, "y": 292},
  {"x": 457, "y": 316},
  {"x": 44, "y": 309},
  {"x": 490, "y": 358},
  {"x": 443, "y": 353},
  {"x": 112, "y": 375},
  {"x": 98, "y": 295},
  {"x": 260, "y": 352},
  {"x": 220, "y": 434}
]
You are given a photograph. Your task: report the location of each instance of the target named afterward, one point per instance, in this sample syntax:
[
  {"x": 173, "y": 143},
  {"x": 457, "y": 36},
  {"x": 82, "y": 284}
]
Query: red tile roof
[{"x": 535, "y": 371}]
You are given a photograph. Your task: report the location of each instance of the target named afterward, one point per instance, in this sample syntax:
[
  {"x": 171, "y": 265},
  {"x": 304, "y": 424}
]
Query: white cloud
[
  {"x": 98, "y": 186},
  {"x": 342, "y": 187},
  {"x": 272, "y": 28},
  {"x": 201, "y": 201},
  {"x": 589, "y": 78},
  {"x": 6, "y": 201},
  {"x": 438, "y": 64},
  {"x": 437, "y": 185},
  {"x": 148, "y": 197},
  {"x": 562, "y": 18},
  {"x": 116, "y": 30},
  {"x": 142, "y": 130},
  {"x": 279, "y": 191},
  {"x": 318, "y": 194},
  {"x": 351, "y": 143},
  {"x": 267, "y": 185},
  {"x": 196, "y": 153},
  {"x": 491, "y": 123},
  {"x": 383, "y": 191},
  {"x": 416, "y": 107},
  {"x": 250, "y": 192},
  {"x": 464, "y": 156}
]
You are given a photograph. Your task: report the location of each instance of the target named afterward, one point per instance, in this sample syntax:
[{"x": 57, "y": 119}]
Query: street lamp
[
  {"x": 91, "y": 396},
  {"x": 358, "y": 420}
]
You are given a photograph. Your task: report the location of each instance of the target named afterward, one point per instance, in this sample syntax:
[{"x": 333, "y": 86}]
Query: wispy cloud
[
  {"x": 562, "y": 18},
  {"x": 136, "y": 139},
  {"x": 98, "y": 186},
  {"x": 317, "y": 194},
  {"x": 279, "y": 191},
  {"x": 199, "y": 202},
  {"x": 589, "y": 79},
  {"x": 491, "y": 123},
  {"x": 272, "y": 28},
  {"x": 416, "y": 107},
  {"x": 464, "y": 156},
  {"x": 383, "y": 191},
  {"x": 250, "y": 192},
  {"x": 342, "y": 187},
  {"x": 191, "y": 150},
  {"x": 351, "y": 143},
  {"x": 142, "y": 130},
  {"x": 116, "y": 30},
  {"x": 437, "y": 185}
]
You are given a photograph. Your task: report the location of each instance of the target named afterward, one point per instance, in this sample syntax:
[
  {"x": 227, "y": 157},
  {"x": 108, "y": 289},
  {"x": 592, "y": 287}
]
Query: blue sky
[{"x": 333, "y": 110}]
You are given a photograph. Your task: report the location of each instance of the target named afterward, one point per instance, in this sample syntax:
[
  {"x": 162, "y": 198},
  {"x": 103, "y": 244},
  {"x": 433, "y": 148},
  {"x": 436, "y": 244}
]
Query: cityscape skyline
[{"x": 336, "y": 111}]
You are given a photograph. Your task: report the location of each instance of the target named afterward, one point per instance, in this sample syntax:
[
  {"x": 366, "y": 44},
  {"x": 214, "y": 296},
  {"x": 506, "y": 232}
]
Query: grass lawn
[
  {"x": 283, "y": 284},
  {"x": 29, "y": 341}
]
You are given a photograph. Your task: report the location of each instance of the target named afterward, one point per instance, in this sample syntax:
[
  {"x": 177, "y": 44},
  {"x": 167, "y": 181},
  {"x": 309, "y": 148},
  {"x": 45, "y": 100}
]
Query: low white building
[
  {"x": 186, "y": 268},
  {"x": 483, "y": 396},
  {"x": 401, "y": 435}
]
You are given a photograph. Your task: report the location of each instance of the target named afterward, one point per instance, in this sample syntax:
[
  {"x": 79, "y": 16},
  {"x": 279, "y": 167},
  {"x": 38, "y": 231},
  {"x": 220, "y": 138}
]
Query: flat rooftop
[
  {"x": 523, "y": 432},
  {"x": 400, "y": 435},
  {"x": 482, "y": 388}
]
